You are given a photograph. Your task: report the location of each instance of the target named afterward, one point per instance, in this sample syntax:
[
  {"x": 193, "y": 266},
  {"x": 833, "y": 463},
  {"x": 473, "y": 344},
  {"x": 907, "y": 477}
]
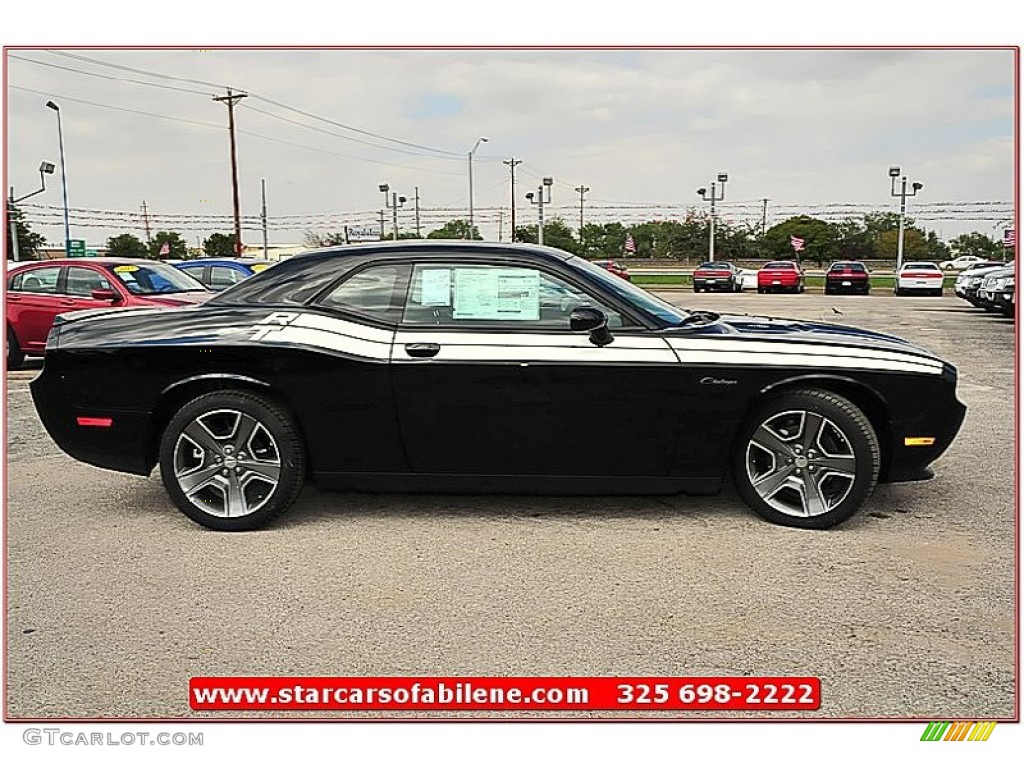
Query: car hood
[{"x": 758, "y": 328}]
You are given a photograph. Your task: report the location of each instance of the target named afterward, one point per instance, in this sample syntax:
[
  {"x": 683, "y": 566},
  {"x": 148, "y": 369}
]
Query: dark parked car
[
  {"x": 780, "y": 276},
  {"x": 38, "y": 291},
  {"x": 717, "y": 276},
  {"x": 218, "y": 274},
  {"x": 847, "y": 277},
  {"x": 433, "y": 365}
]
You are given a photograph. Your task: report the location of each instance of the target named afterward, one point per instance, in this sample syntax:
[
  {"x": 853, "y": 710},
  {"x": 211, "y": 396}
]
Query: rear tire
[
  {"x": 15, "y": 357},
  {"x": 232, "y": 460},
  {"x": 806, "y": 458}
]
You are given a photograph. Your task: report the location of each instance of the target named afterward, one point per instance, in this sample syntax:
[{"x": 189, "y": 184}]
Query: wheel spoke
[
  {"x": 234, "y": 498},
  {"x": 843, "y": 465},
  {"x": 767, "y": 440},
  {"x": 269, "y": 471},
  {"x": 814, "y": 501},
  {"x": 770, "y": 482},
  {"x": 813, "y": 423},
  {"x": 192, "y": 480},
  {"x": 245, "y": 428},
  {"x": 202, "y": 437}
]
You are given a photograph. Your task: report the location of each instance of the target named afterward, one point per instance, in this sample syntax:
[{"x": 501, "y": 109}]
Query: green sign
[
  {"x": 90, "y": 254},
  {"x": 76, "y": 248}
]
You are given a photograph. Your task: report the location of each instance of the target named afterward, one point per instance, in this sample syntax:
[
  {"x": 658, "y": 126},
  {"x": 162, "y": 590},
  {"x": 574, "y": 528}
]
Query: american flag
[
  {"x": 165, "y": 249},
  {"x": 1009, "y": 238},
  {"x": 796, "y": 242},
  {"x": 630, "y": 246}
]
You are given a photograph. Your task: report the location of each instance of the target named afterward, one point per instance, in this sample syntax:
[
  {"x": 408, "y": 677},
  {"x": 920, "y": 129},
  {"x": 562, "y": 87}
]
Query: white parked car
[
  {"x": 919, "y": 276},
  {"x": 962, "y": 262},
  {"x": 748, "y": 279}
]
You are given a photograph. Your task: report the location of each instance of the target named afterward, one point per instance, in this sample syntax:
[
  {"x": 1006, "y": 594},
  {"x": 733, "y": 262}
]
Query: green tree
[
  {"x": 556, "y": 235},
  {"x": 821, "y": 240},
  {"x": 456, "y": 229},
  {"x": 219, "y": 245},
  {"x": 976, "y": 244},
  {"x": 29, "y": 242},
  {"x": 177, "y": 246},
  {"x": 127, "y": 246}
]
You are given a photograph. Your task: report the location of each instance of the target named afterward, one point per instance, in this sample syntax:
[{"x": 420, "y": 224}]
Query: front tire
[
  {"x": 807, "y": 458},
  {"x": 232, "y": 460}
]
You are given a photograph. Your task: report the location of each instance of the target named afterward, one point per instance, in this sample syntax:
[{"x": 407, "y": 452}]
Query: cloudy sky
[{"x": 811, "y": 130}]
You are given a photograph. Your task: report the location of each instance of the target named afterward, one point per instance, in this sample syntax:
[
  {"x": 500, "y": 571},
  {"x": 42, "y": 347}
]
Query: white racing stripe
[
  {"x": 535, "y": 347},
  {"x": 783, "y": 353}
]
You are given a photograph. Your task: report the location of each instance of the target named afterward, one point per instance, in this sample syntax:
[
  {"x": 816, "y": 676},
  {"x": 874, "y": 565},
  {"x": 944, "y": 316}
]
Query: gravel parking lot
[{"x": 115, "y": 599}]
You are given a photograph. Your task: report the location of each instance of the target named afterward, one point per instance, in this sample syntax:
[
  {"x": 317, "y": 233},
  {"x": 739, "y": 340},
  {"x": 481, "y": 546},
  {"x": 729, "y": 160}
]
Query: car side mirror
[
  {"x": 589, "y": 319},
  {"x": 105, "y": 294}
]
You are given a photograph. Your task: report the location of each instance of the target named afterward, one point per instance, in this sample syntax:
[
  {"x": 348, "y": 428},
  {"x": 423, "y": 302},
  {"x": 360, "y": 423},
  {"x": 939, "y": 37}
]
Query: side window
[
  {"x": 374, "y": 292},
  {"x": 464, "y": 294},
  {"x": 82, "y": 281},
  {"x": 196, "y": 272},
  {"x": 42, "y": 280},
  {"x": 224, "y": 277}
]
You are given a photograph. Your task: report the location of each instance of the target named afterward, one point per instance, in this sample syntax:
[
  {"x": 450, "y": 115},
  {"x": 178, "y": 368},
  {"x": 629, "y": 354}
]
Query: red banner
[{"x": 504, "y": 693}]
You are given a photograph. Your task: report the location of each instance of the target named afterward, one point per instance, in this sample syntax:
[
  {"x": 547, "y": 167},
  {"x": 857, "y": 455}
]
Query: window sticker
[
  {"x": 257, "y": 268},
  {"x": 122, "y": 268},
  {"x": 437, "y": 288},
  {"x": 497, "y": 294}
]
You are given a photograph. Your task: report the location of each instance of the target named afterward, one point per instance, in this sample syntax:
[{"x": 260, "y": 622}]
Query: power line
[{"x": 106, "y": 77}]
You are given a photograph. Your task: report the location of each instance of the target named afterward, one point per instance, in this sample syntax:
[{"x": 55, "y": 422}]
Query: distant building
[{"x": 274, "y": 252}]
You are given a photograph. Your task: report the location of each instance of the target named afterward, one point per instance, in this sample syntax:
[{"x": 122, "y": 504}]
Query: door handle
[{"x": 422, "y": 349}]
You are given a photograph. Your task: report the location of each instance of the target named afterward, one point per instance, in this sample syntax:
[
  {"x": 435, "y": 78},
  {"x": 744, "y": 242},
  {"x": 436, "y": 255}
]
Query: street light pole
[
  {"x": 63, "y": 178},
  {"x": 44, "y": 168},
  {"x": 469, "y": 235},
  {"x": 894, "y": 173},
  {"x": 722, "y": 178}
]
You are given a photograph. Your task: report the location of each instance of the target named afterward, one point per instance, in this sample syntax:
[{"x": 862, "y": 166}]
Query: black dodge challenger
[{"x": 461, "y": 366}]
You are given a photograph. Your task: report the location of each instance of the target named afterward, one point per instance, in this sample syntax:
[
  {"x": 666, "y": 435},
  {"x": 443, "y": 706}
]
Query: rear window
[
  {"x": 778, "y": 265},
  {"x": 921, "y": 265},
  {"x": 845, "y": 266},
  {"x": 715, "y": 265}
]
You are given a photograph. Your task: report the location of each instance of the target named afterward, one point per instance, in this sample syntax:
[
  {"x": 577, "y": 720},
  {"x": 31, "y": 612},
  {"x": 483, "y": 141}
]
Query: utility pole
[
  {"x": 145, "y": 221},
  {"x": 501, "y": 223},
  {"x": 582, "y": 190},
  {"x": 764, "y": 215},
  {"x": 263, "y": 214},
  {"x": 417, "y": 191},
  {"x": 382, "y": 220},
  {"x": 231, "y": 99},
  {"x": 512, "y": 163}
]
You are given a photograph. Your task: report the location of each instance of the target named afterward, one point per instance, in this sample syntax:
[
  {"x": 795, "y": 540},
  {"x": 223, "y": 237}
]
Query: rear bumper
[{"x": 122, "y": 446}]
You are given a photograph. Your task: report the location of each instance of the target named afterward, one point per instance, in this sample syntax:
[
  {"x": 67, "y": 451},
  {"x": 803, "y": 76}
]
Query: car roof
[
  {"x": 102, "y": 261},
  {"x": 385, "y": 247}
]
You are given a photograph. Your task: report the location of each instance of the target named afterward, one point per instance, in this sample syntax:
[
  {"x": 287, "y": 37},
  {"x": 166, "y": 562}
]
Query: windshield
[
  {"x": 632, "y": 295},
  {"x": 149, "y": 279}
]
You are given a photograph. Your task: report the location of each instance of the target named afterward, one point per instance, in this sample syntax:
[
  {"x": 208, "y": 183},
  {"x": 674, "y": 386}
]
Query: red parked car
[
  {"x": 780, "y": 276},
  {"x": 615, "y": 268},
  {"x": 717, "y": 276},
  {"x": 38, "y": 291}
]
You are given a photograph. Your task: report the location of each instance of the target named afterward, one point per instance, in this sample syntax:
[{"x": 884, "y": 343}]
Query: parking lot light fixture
[
  {"x": 713, "y": 198},
  {"x": 63, "y": 178},
  {"x": 894, "y": 173},
  {"x": 540, "y": 201},
  {"x": 44, "y": 168}
]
